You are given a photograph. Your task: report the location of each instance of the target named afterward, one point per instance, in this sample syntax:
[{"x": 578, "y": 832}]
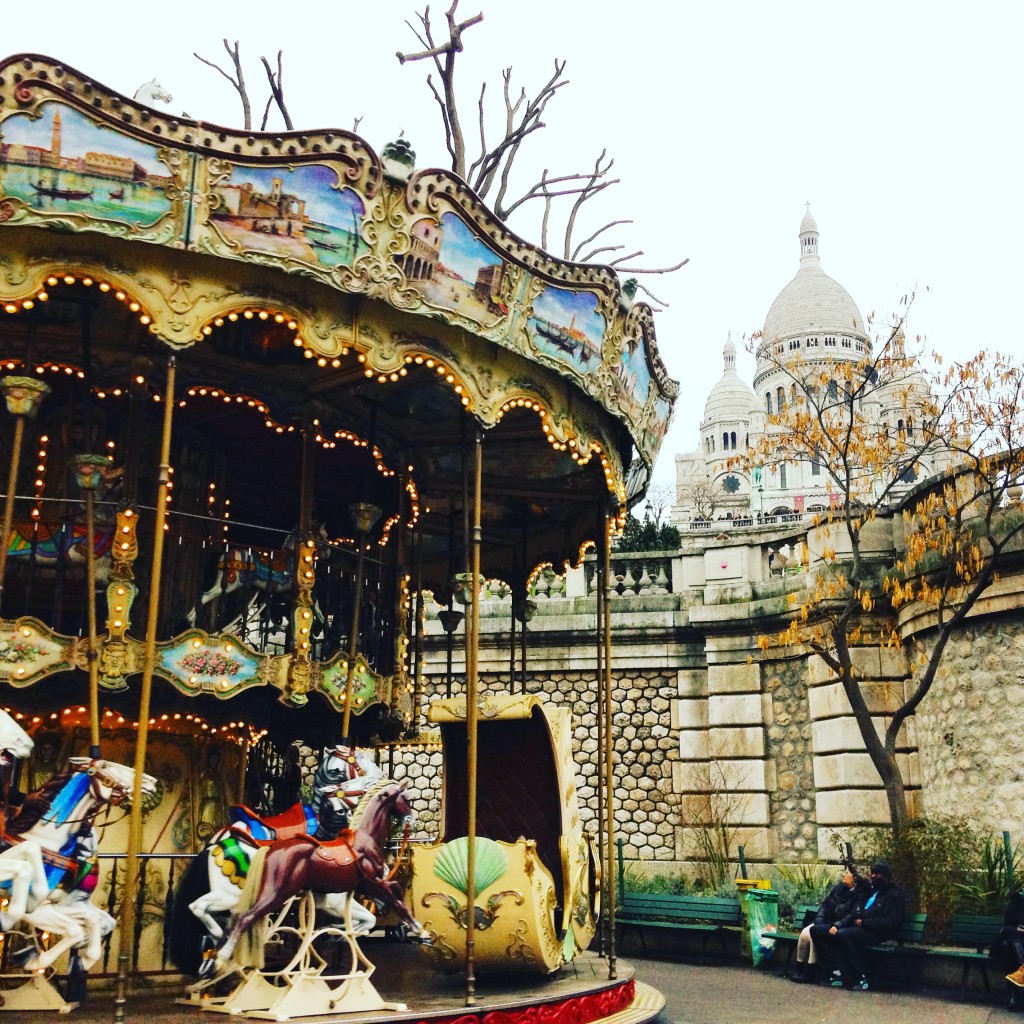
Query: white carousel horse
[
  {"x": 212, "y": 885},
  {"x": 152, "y": 92},
  {"x": 14, "y": 741},
  {"x": 53, "y": 843},
  {"x": 16, "y": 874}
]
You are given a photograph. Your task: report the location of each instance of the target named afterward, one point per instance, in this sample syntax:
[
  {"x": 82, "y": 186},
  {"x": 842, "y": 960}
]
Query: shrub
[
  {"x": 675, "y": 884},
  {"x": 801, "y": 883},
  {"x": 933, "y": 858},
  {"x": 989, "y": 887}
]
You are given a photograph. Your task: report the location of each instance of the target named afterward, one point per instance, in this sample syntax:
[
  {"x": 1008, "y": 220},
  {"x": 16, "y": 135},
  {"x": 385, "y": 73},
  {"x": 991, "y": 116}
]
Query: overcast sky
[{"x": 899, "y": 121}]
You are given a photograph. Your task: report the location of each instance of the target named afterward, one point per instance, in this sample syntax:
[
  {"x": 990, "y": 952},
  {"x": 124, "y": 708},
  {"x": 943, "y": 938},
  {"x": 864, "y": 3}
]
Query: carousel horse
[
  {"x": 15, "y": 743},
  {"x": 46, "y": 546},
  {"x": 212, "y": 885},
  {"x": 352, "y": 863},
  {"x": 268, "y": 571},
  {"x": 53, "y": 838},
  {"x": 16, "y": 875}
]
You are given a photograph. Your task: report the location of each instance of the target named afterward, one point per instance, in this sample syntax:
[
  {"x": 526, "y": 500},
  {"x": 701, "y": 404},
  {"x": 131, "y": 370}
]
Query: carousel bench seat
[{"x": 707, "y": 916}]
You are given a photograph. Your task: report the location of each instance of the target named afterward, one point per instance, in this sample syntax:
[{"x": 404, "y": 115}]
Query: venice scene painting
[
  {"x": 297, "y": 213},
  {"x": 454, "y": 269},
  {"x": 634, "y": 376},
  {"x": 63, "y": 163},
  {"x": 567, "y": 326}
]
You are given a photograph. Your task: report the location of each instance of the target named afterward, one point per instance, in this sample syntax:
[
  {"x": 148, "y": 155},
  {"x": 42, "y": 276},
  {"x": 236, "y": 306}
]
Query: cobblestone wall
[
  {"x": 790, "y": 751},
  {"x": 971, "y": 728},
  {"x": 643, "y": 750}
]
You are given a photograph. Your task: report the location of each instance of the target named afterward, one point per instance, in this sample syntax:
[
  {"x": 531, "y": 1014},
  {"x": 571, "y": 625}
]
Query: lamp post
[
  {"x": 523, "y": 610},
  {"x": 450, "y": 619}
]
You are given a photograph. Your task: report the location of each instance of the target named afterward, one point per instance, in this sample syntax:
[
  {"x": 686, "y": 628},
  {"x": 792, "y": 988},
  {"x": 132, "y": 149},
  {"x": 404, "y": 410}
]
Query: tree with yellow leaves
[{"x": 929, "y": 459}]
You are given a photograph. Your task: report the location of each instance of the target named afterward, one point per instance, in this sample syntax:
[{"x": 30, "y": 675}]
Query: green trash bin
[{"x": 762, "y": 913}]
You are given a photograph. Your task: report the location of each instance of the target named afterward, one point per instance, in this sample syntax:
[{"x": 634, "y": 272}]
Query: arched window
[
  {"x": 792, "y": 393},
  {"x": 833, "y": 391},
  {"x": 725, "y": 441},
  {"x": 768, "y": 402},
  {"x": 732, "y": 440},
  {"x": 910, "y": 427},
  {"x": 782, "y": 476},
  {"x": 780, "y": 398}
]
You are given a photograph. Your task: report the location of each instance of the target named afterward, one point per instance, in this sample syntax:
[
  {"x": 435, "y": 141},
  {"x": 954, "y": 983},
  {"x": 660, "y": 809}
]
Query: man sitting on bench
[
  {"x": 845, "y": 896},
  {"x": 876, "y": 920}
]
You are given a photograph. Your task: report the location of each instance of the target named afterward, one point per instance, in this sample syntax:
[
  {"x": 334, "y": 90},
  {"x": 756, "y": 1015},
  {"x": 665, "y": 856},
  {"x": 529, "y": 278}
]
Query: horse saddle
[
  {"x": 337, "y": 852},
  {"x": 298, "y": 820}
]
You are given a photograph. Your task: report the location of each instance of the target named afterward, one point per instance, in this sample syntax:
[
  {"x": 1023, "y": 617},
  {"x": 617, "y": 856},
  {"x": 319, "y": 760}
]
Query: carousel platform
[{"x": 580, "y": 992}]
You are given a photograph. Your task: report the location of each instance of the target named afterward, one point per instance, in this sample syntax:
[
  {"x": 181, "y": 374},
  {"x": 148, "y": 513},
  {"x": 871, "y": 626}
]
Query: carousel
[{"x": 263, "y": 393}]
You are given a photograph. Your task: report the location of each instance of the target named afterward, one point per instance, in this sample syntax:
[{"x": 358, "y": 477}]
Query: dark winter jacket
[
  {"x": 842, "y": 901},
  {"x": 882, "y": 918}
]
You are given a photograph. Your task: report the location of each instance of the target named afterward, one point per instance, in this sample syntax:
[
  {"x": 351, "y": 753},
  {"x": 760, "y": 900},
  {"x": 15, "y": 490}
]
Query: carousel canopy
[{"x": 342, "y": 326}]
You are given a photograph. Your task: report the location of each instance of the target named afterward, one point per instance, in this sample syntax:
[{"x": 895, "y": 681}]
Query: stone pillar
[
  {"x": 723, "y": 774},
  {"x": 849, "y": 792}
]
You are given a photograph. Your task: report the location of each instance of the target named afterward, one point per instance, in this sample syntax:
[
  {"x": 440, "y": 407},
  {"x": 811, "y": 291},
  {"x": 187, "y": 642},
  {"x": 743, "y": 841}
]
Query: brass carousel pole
[
  {"x": 609, "y": 744},
  {"x": 599, "y": 675},
  {"x": 88, "y": 471},
  {"x": 131, "y": 867},
  {"x": 364, "y": 515},
  {"x": 472, "y": 687},
  {"x": 23, "y": 396}
]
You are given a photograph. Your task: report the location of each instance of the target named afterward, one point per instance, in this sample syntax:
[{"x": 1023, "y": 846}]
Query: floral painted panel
[{"x": 218, "y": 665}]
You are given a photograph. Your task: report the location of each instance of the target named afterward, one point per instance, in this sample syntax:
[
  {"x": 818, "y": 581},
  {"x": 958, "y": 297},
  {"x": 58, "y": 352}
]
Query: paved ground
[
  {"x": 734, "y": 994},
  {"x": 712, "y": 994}
]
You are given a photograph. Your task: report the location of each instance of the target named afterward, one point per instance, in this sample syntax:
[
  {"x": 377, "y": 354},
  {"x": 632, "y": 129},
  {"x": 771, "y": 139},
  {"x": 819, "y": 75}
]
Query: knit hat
[{"x": 882, "y": 867}]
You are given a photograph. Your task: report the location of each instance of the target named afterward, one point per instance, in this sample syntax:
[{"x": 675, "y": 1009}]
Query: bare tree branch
[
  {"x": 589, "y": 190},
  {"x": 277, "y": 87},
  {"x": 649, "y": 270},
  {"x": 596, "y": 252},
  {"x": 535, "y": 191},
  {"x": 446, "y": 69},
  {"x": 356, "y": 122},
  {"x": 515, "y": 133},
  {"x": 238, "y": 81},
  {"x": 651, "y": 294},
  {"x": 599, "y": 231}
]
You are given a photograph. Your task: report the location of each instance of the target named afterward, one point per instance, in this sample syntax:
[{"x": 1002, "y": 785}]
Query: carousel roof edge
[{"x": 193, "y": 185}]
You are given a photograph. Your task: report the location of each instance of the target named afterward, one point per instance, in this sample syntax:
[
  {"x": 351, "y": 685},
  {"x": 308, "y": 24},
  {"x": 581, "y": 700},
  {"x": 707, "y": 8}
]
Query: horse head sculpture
[
  {"x": 152, "y": 92},
  {"x": 14, "y": 741},
  {"x": 110, "y": 782}
]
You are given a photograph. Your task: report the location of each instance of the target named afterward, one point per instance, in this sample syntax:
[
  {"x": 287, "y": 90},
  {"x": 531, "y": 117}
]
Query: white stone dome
[
  {"x": 812, "y": 303},
  {"x": 731, "y": 398}
]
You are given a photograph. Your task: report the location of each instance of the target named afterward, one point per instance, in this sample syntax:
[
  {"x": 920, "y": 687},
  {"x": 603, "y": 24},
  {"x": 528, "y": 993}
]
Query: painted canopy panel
[{"x": 75, "y": 157}]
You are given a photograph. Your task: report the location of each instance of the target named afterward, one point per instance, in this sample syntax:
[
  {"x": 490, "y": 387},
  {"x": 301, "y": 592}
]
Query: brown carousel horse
[{"x": 352, "y": 863}]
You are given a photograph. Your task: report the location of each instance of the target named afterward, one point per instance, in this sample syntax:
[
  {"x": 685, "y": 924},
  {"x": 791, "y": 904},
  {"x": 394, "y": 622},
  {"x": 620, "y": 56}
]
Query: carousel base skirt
[{"x": 580, "y": 993}]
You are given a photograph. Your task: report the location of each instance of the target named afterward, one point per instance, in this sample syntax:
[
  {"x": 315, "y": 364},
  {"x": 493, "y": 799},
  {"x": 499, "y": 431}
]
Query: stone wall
[
  {"x": 709, "y": 728},
  {"x": 971, "y": 728},
  {"x": 643, "y": 751},
  {"x": 790, "y": 749}
]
